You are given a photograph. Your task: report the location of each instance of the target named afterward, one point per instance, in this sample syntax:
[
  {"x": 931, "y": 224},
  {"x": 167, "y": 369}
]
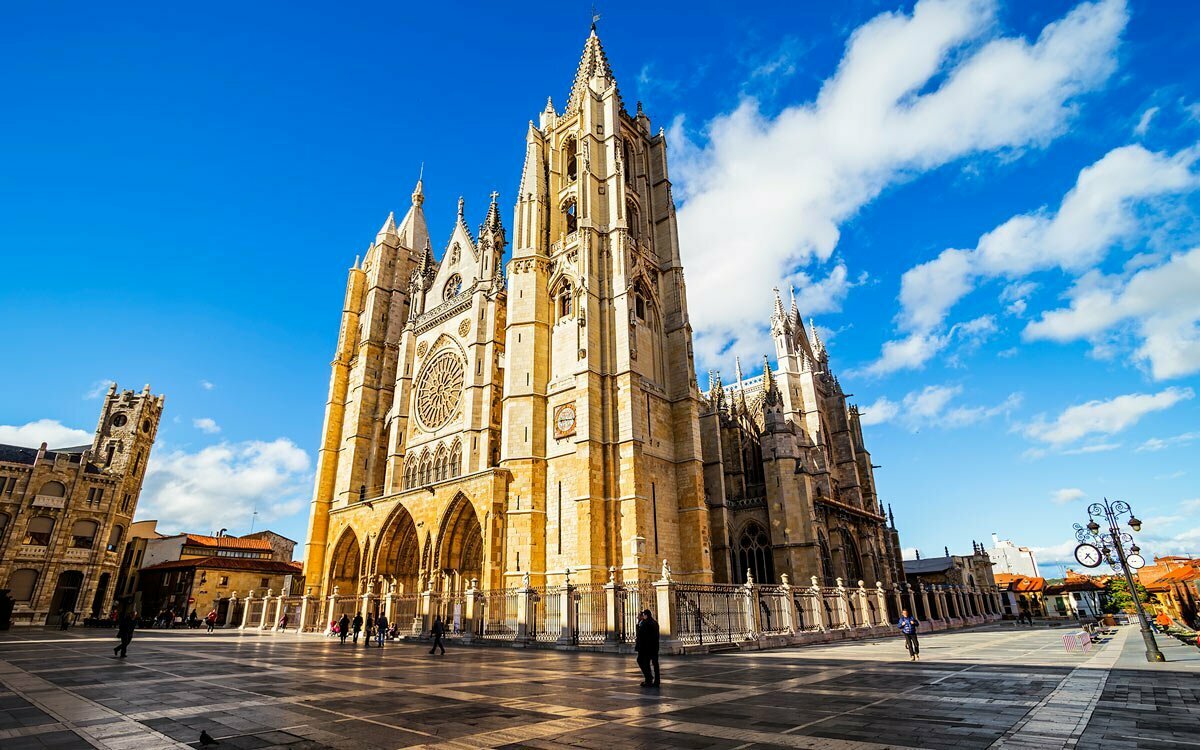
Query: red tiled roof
[
  {"x": 228, "y": 542},
  {"x": 231, "y": 563},
  {"x": 1019, "y": 583}
]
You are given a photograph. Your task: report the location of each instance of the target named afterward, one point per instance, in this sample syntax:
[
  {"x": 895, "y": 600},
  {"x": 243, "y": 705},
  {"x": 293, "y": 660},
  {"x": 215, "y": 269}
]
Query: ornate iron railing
[
  {"x": 710, "y": 613},
  {"x": 591, "y": 613}
]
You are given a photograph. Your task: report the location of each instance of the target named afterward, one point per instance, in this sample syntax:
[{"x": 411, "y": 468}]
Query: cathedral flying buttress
[{"x": 788, "y": 478}]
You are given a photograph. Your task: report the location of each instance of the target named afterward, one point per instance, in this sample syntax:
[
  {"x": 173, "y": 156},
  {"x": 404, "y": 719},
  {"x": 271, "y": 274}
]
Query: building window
[
  {"x": 639, "y": 306},
  {"x": 564, "y": 299},
  {"x": 53, "y": 489},
  {"x": 3, "y": 524},
  {"x": 224, "y": 581},
  {"x": 21, "y": 583},
  {"x": 453, "y": 287},
  {"x": 125, "y": 502},
  {"x": 39, "y": 530},
  {"x": 95, "y": 495},
  {"x": 569, "y": 149},
  {"x": 114, "y": 538},
  {"x": 570, "y": 217},
  {"x": 754, "y": 555},
  {"x": 456, "y": 459},
  {"x": 83, "y": 534},
  {"x": 629, "y": 165},
  {"x": 8, "y": 484},
  {"x": 633, "y": 220},
  {"x": 265, "y": 583}
]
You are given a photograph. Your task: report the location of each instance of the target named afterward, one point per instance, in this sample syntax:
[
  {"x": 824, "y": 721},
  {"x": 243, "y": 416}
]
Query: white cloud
[
  {"x": 1191, "y": 505},
  {"x": 1157, "y": 444},
  {"x": 1162, "y": 304},
  {"x": 1144, "y": 122},
  {"x": 1102, "y": 210},
  {"x": 1092, "y": 448},
  {"x": 1102, "y": 417},
  {"x": 1067, "y": 495},
  {"x": 206, "y": 424},
  {"x": 931, "y": 407},
  {"x": 206, "y": 385},
  {"x": 98, "y": 389},
  {"x": 49, "y": 431},
  {"x": 221, "y": 485},
  {"x": 765, "y": 196}
]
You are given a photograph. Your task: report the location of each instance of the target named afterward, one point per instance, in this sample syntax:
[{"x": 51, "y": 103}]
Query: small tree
[{"x": 1118, "y": 598}]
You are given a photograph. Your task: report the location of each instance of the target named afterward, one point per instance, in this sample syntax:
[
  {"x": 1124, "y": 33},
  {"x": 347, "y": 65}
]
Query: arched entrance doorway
[
  {"x": 345, "y": 565},
  {"x": 99, "y": 600},
  {"x": 398, "y": 554},
  {"x": 66, "y": 595},
  {"x": 460, "y": 547}
]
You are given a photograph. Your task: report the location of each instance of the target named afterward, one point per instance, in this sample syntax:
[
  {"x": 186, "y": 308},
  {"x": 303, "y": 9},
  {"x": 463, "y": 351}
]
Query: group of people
[{"x": 376, "y": 628}]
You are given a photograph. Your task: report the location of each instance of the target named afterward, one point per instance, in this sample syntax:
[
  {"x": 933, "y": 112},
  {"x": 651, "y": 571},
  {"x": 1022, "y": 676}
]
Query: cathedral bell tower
[{"x": 600, "y": 408}]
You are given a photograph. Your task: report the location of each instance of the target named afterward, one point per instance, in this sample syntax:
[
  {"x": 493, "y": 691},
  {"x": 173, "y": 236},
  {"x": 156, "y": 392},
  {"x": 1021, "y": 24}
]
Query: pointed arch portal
[
  {"x": 344, "y": 570},
  {"x": 460, "y": 545},
  {"x": 399, "y": 554}
]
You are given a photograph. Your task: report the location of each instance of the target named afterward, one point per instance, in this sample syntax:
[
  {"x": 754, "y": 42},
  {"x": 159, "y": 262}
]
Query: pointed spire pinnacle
[
  {"x": 737, "y": 369},
  {"x": 592, "y": 64},
  {"x": 817, "y": 343},
  {"x": 549, "y": 105},
  {"x": 717, "y": 389},
  {"x": 389, "y": 224},
  {"x": 772, "y": 393},
  {"x": 460, "y": 207},
  {"x": 491, "y": 222},
  {"x": 356, "y": 260},
  {"x": 794, "y": 312},
  {"x": 418, "y": 195},
  {"x": 778, "y": 314}
]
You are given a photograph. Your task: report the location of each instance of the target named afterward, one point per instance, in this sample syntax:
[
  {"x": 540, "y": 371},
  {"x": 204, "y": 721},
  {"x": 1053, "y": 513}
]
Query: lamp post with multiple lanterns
[{"x": 1089, "y": 554}]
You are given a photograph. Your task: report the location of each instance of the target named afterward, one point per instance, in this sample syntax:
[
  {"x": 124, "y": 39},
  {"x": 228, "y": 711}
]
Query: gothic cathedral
[{"x": 508, "y": 424}]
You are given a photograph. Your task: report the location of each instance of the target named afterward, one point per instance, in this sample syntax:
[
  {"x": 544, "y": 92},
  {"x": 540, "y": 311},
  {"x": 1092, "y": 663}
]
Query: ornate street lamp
[{"x": 1087, "y": 554}]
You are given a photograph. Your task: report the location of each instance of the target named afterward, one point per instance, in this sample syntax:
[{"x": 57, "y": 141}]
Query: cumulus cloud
[
  {"x": 1161, "y": 303},
  {"x": 1108, "y": 205},
  {"x": 1102, "y": 417},
  {"x": 207, "y": 385},
  {"x": 221, "y": 485},
  {"x": 1067, "y": 495},
  {"x": 932, "y": 407},
  {"x": 764, "y": 196},
  {"x": 49, "y": 431},
  {"x": 206, "y": 424}
]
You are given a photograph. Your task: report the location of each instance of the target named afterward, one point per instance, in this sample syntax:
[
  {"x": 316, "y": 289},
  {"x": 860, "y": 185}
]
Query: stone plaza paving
[{"x": 993, "y": 686}]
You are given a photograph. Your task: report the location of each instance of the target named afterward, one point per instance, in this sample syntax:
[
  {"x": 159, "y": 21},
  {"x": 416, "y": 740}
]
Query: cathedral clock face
[
  {"x": 439, "y": 390},
  {"x": 564, "y": 420}
]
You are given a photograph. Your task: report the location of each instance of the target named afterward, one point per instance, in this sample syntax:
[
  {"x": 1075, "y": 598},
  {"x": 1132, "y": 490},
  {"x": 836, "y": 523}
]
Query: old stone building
[
  {"x": 491, "y": 426},
  {"x": 787, "y": 478},
  {"x": 64, "y": 513}
]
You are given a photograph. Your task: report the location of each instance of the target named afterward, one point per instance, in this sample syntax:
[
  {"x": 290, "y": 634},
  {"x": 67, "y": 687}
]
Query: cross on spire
[{"x": 495, "y": 195}]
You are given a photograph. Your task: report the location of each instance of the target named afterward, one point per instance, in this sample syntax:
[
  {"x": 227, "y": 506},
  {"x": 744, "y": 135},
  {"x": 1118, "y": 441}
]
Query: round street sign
[
  {"x": 1087, "y": 555},
  {"x": 1137, "y": 562}
]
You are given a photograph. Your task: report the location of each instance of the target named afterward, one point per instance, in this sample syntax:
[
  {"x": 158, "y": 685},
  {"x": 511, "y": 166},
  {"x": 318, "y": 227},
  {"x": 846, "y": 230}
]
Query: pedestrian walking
[
  {"x": 646, "y": 645},
  {"x": 343, "y": 627},
  {"x": 908, "y": 626},
  {"x": 211, "y": 619},
  {"x": 370, "y": 629},
  {"x": 125, "y": 628},
  {"x": 438, "y": 630},
  {"x": 381, "y": 629},
  {"x": 357, "y": 625}
]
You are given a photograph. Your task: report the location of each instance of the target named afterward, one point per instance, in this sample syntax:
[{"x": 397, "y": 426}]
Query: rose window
[{"x": 439, "y": 390}]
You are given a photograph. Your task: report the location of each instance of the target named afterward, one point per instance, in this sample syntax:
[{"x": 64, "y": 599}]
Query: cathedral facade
[{"x": 522, "y": 423}]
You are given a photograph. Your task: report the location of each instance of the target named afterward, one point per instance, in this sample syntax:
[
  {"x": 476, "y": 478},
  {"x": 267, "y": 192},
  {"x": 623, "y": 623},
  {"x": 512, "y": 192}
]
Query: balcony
[
  {"x": 49, "y": 501},
  {"x": 31, "y": 552},
  {"x": 77, "y": 554}
]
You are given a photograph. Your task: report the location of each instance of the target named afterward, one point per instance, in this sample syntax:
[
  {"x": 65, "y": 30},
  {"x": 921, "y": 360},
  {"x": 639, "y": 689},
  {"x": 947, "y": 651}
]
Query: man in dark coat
[
  {"x": 344, "y": 627},
  {"x": 437, "y": 631},
  {"x": 125, "y": 628},
  {"x": 357, "y": 625},
  {"x": 646, "y": 645}
]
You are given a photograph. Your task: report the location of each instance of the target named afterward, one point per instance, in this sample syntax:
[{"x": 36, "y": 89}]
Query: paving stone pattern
[{"x": 995, "y": 686}]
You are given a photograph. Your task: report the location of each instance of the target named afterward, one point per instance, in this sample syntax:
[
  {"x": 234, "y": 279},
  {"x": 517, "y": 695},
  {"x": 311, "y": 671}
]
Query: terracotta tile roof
[
  {"x": 231, "y": 563},
  {"x": 228, "y": 542},
  {"x": 1019, "y": 583}
]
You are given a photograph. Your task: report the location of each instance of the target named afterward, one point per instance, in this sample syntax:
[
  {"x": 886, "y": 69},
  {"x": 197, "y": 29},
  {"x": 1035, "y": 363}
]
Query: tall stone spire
[
  {"x": 413, "y": 232},
  {"x": 492, "y": 222},
  {"x": 794, "y": 312},
  {"x": 772, "y": 393},
  {"x": 592, "y": 65},
  {"x": 817, "y": 344}
]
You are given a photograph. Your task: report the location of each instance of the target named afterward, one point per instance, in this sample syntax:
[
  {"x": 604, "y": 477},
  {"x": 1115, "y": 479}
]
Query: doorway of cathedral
[
  {"x": 399, "y": 556},
  {"x": 460, "y": 547},
  {"x": 66, "y": 593},
  {"x": 345, "y": 565}
]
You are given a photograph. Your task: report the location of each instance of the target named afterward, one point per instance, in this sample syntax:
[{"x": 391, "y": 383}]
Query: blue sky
[{"x": 989, "y": 209}]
